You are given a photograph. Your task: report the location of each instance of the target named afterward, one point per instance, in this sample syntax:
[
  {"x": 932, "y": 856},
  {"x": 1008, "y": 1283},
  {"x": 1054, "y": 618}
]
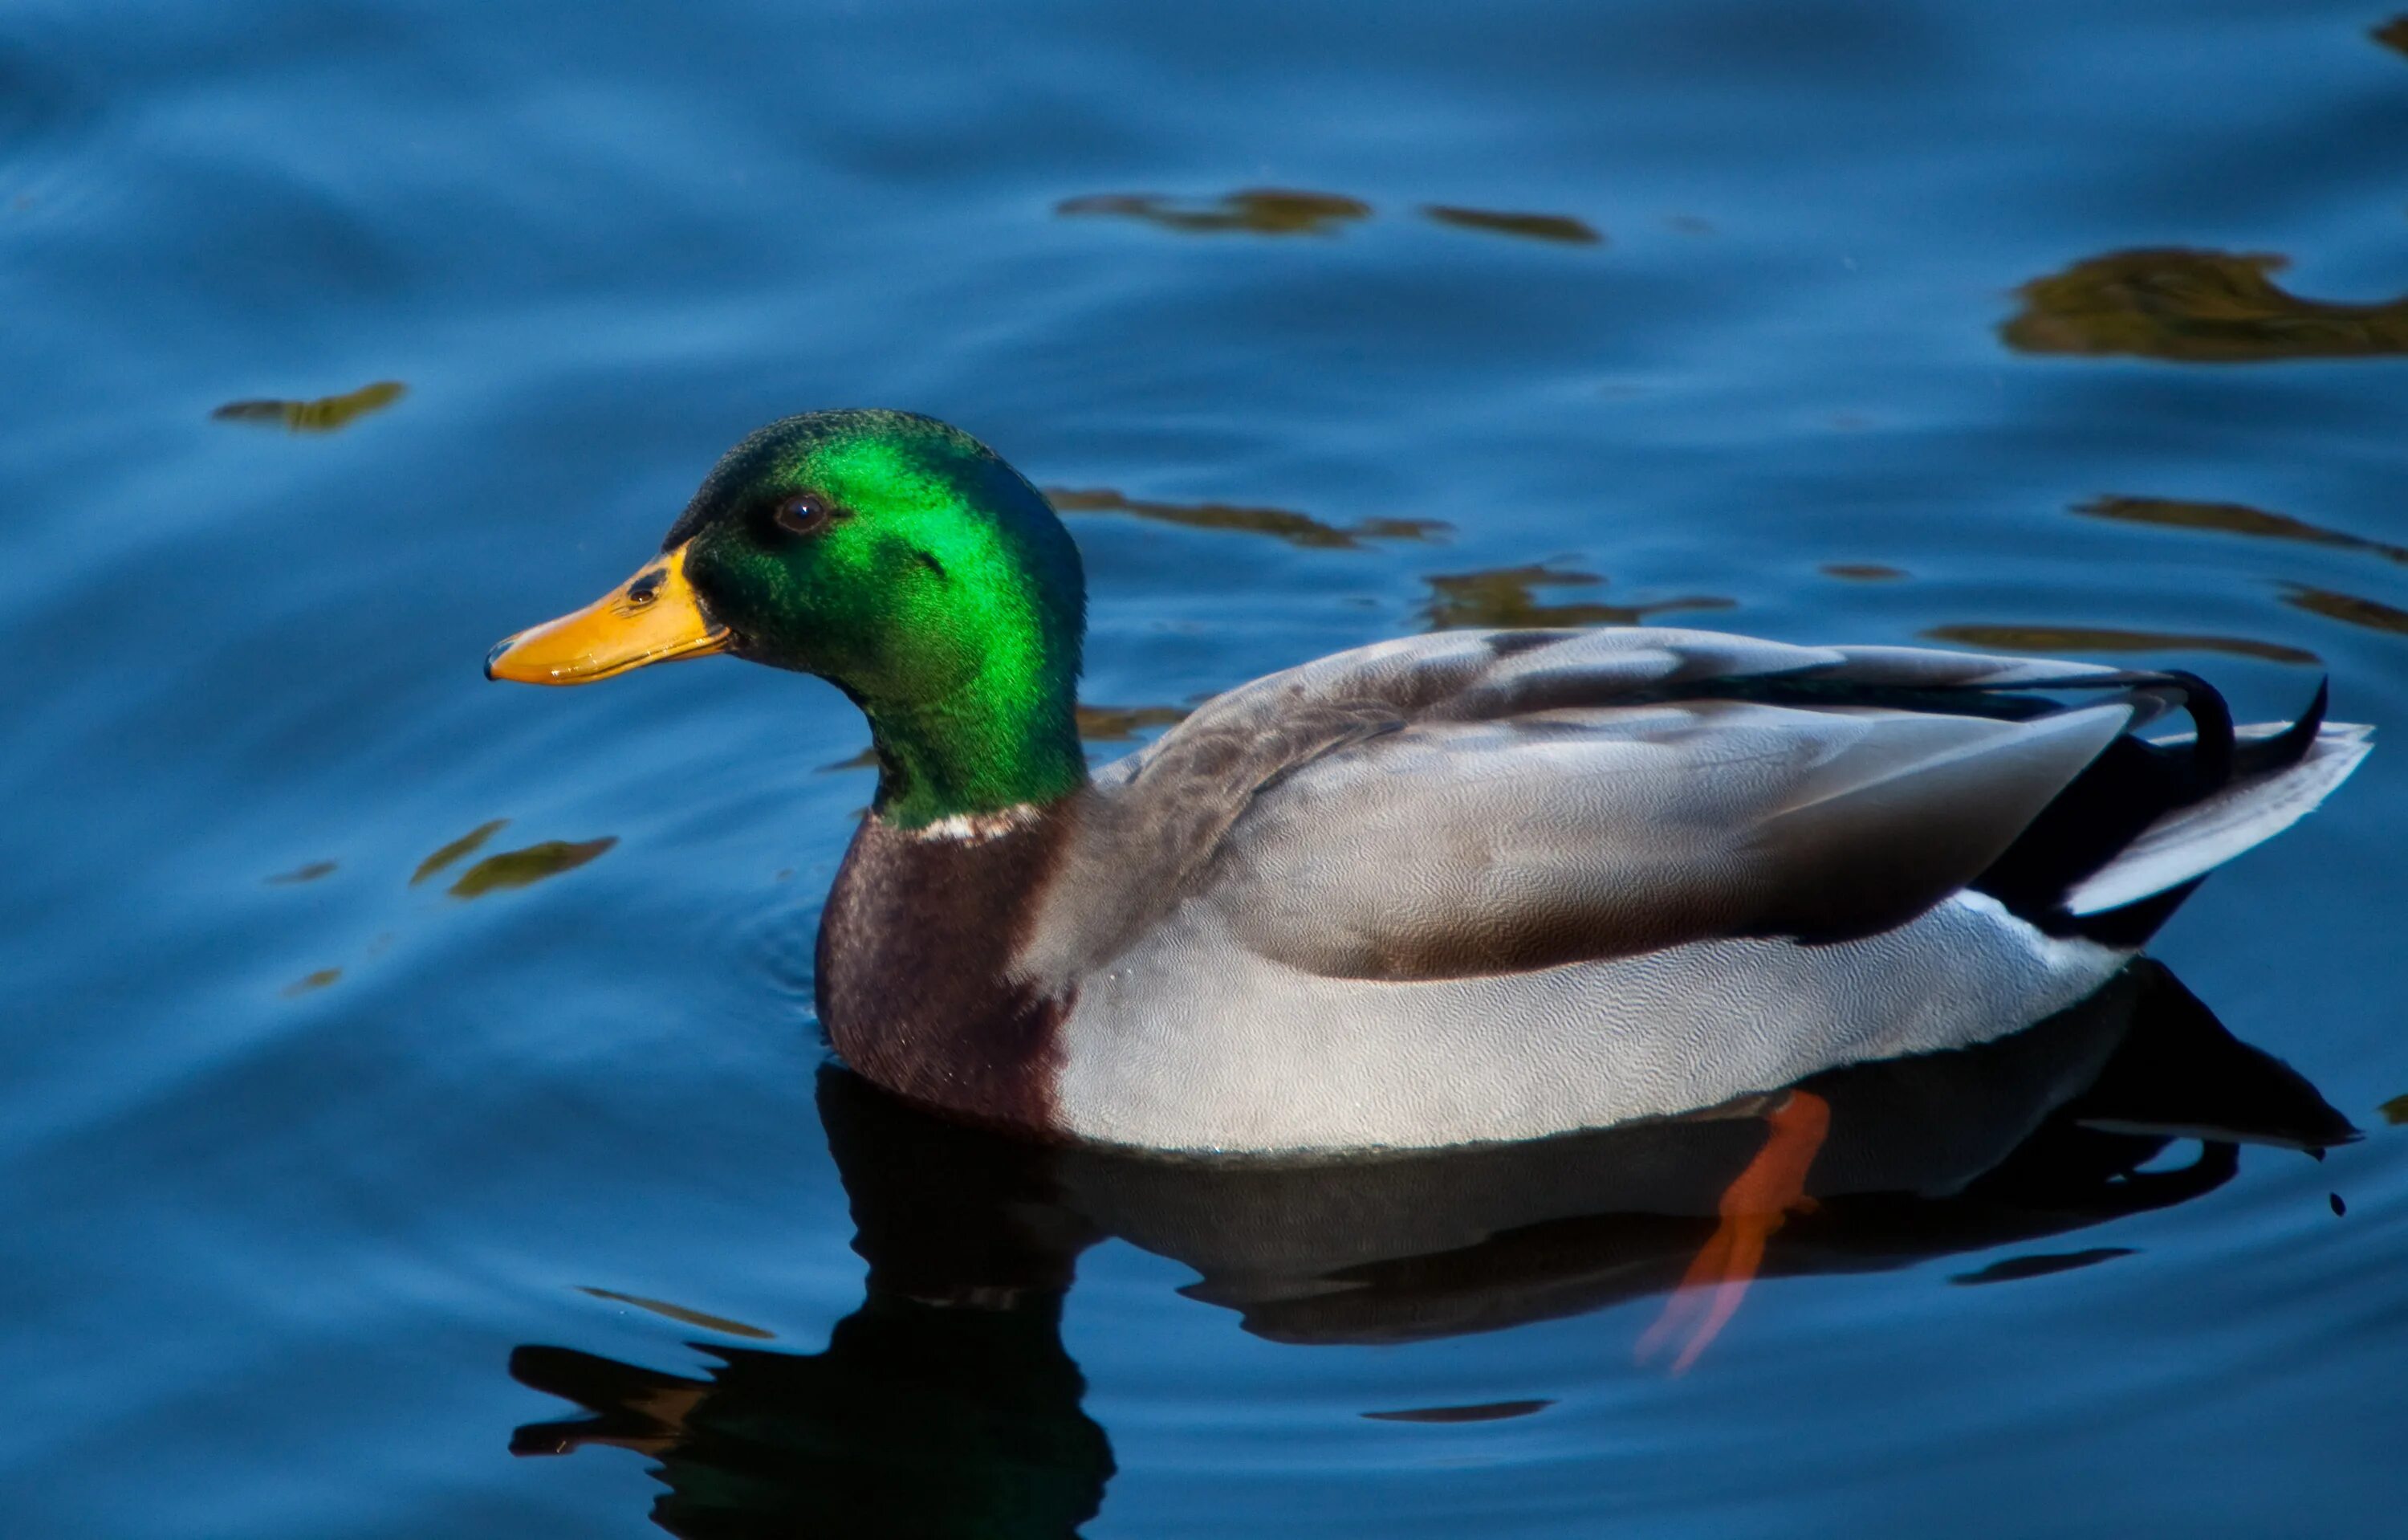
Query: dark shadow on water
[
  {"x": 466, "y": 845},
  {"x": 528, "y": 866},
  {"x": 864, "y": 759},
  {"x": 2349, "y": 609},
  {"x": 1492, "y": 1411},
  {"x": 1507, "y": 596},
  {"x": 2042, "y": 1264},
  {"x": 1863, "y": 572},
  {"x": 2100, "y": 638},
  {"x": 1560, "y": 228},
  {"x": 679, "y": 1314},
  {"x": 2195, "y": 307},
  {"x": 947, "y": 1405},
  {"x": 325, "y": 414},
  {"x": 2231, "y": 519},
  {"x": 924, "y": 1417},
  {"x": 1253, "y": 210},
  {"x": 1278, "y": 523},
  {"x": 1292, "y": 211}
]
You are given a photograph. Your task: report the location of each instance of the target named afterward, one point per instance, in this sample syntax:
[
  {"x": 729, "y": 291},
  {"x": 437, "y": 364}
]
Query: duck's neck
[
  {"x": 917, "y": 983},
  {"x": 1003, "y": 741}
]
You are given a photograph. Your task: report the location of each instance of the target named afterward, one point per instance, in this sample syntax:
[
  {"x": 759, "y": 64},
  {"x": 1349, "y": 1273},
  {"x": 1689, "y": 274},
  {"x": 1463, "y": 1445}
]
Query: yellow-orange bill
[{"x": 650, "y": 618}]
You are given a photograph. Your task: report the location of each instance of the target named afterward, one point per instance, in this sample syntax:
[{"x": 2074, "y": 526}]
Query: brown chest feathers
[{"x": 914, "y": 952}]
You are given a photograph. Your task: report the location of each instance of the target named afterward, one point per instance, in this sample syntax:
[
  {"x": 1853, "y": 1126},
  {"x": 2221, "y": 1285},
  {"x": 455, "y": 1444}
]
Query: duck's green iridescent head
[{"x": 890, "y": 555}]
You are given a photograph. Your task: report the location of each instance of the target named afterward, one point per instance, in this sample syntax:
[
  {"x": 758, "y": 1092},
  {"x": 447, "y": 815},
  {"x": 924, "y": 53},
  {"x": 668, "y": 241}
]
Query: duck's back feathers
[
  {"x": 1497, "y": 801},
  {"x": 1485, "y": 886},
  {"x": 1452, "y": 848}
]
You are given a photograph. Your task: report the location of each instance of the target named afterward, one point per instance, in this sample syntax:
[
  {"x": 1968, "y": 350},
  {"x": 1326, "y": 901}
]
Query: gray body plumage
[{"x": 1493, "y": 886}]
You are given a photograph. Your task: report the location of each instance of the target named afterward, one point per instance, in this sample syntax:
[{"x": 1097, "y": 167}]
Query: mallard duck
[{"x": 1448, "y": 889}]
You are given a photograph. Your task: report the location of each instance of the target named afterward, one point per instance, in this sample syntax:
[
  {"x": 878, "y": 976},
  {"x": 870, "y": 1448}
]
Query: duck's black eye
[{"x": 804, "y": 515}]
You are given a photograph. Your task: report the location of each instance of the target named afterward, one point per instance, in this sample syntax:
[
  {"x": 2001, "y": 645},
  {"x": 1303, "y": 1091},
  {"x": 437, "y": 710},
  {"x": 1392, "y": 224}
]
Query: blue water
[{"x": 295, "y": 1152}]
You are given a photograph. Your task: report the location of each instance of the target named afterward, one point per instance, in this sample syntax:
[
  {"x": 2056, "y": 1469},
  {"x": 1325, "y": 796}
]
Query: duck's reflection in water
[{"x": 947, "y": 1405}]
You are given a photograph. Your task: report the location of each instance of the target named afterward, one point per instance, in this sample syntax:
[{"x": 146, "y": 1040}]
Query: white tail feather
[{"x": 2194, "y": 841}]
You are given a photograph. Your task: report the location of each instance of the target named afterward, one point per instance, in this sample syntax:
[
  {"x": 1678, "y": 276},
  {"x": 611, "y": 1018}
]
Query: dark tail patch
[{"x": 2125, "y": 790}]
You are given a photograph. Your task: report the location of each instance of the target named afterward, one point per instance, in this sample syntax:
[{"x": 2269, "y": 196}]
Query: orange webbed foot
[{"x": 1758, "y": 1201}]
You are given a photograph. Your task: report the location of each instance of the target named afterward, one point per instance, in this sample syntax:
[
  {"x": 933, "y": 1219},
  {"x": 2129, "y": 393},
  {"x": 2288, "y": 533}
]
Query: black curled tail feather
[
  {"x": 2264, "y": 755},
  {"x": 2212, "y": 758},
  {"x": 2217, "y": 756},
  {"x": 2126, "y": 789}
]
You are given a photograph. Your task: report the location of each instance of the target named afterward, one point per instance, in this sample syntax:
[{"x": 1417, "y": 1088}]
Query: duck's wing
[{"x": 1481, "y": 802}]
